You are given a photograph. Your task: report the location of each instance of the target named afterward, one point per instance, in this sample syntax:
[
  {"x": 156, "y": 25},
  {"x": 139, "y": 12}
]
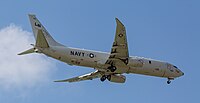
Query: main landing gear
[
  {"x": 104, "y": 77},
  {"x": 169, "y": 80},
  {"x": 112, "y": 68}
]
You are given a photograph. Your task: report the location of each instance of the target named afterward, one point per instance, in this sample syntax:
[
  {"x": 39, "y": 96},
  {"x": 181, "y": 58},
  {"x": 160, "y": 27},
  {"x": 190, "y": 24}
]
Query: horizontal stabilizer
[{"x": 32, "y": 50}]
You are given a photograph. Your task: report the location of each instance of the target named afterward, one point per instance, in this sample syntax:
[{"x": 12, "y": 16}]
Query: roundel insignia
[
  {"x": 38, "y": 25},
  {"x": 91, "y": 55},
  {"x": 120, "y": 35}
]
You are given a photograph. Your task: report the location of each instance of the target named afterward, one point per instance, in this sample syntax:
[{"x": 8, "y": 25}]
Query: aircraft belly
[
  {"x": 147, "y": 71},
  {"x": 82, "y": 62},
  {"x": 88, "y": 63},
  {"x": 57, "y": 55}
]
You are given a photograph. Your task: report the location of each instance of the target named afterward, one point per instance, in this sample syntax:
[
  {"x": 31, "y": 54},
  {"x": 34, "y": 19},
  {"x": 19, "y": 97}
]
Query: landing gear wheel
[
  {"x": 112, "y": 68},
  {"x": 109, "y": 77},
  {"x": 168, "y": 82},
  {"x": 126, "y": 61},
  {"x": 103, "y": 78}
]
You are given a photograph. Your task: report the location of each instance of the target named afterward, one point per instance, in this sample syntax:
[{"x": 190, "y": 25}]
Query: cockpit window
[{"x": 175, "y": 67}]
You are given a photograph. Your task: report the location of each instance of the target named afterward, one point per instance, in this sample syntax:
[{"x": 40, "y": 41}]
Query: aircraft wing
[
  {"x": 89, "y": 76},
  {"x": 119, "y": 51}
]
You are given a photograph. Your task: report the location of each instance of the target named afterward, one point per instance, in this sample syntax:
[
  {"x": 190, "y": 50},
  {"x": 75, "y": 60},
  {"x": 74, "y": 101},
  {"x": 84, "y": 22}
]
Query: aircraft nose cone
[
  {"x": 182, "y": 73},
  {"x": 179, "y": 73}
]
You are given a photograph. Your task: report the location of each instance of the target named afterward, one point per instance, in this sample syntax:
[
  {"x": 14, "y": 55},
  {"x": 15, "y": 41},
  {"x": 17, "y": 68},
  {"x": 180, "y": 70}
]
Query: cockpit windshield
[{"x": 175, "y": 67}]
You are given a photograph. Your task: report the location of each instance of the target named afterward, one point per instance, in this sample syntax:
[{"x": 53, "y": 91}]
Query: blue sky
[{"x": 158, "y": 29}]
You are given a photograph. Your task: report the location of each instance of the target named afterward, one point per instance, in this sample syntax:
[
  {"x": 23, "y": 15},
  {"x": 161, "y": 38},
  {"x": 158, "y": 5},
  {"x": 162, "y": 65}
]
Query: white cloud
[{"x": 25, "y": 71}]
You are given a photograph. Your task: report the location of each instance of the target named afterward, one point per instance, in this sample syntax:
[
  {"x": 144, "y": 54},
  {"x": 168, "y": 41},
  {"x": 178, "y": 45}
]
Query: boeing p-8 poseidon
[{"x": 108, "y": 66}]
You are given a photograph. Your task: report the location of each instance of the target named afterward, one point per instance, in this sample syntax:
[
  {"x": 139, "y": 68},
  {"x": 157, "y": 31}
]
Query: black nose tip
[{"x": 182, "y": 73}]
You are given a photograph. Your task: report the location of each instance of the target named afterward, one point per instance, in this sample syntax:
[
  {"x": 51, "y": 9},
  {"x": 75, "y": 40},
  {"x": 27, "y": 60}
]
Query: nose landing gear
[{"x": 169, "y": 80}]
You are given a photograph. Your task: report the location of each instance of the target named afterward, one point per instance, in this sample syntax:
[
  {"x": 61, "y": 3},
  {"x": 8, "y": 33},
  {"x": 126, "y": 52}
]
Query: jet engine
[{"x": 117, "y": 78}]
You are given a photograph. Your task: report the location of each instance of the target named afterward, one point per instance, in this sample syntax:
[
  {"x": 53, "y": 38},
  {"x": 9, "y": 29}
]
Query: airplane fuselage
[
  {"x": 108, "y": 66},
  {"x": 96, "y": 60}
]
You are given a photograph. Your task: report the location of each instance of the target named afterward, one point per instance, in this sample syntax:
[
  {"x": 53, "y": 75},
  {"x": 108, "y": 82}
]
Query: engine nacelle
[{"x": 117, "y": 78}]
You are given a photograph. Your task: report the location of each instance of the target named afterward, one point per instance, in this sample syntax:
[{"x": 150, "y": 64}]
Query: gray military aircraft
[{"x": 108, "y": 66}]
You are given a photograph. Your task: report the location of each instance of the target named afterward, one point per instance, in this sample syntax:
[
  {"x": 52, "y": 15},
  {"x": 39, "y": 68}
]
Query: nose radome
[
  {"x": 179, "y": 72},
  {"x": 182, "y": 73}
]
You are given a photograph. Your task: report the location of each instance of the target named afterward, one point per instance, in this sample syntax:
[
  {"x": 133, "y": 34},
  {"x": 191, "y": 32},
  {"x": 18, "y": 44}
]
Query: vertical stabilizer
[{"x": 37, "y": 28}]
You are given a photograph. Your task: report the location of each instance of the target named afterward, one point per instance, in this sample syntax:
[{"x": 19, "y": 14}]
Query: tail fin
[
  {"x": 38, "y": 28},
  {"x": 41, "y": 42},
  {"x": 43, "y": 38}
]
